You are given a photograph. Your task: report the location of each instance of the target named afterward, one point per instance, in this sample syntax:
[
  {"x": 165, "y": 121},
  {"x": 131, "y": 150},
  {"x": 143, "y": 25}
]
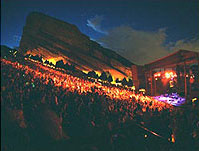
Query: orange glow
[
  {"x": 191, "y": 80},
  {"x": 158, "y": 74},
  {"x": 164, "y": 81},
  {"x": 82, "y": 86},
  {"x": 167, "y": 75},
  {"x": 54, "y": 60},
  {"x": 142, "y": 90},
  {"x": 172, "y": 138},
  {"x": 171, "y": 84}
]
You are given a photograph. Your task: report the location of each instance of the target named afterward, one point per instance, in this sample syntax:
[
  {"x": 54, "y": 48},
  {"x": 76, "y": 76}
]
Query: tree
[
  {"x": 72, "y": 67},
  {"x": 67, "y": 66},
  {"x": 37, "y": 58},
  {"x": 117, "y": 80},
  {"x": 92, "y": 74},
  {"x": 110, "y": 79},
  {"x": 130, "y": 83},
  {"x": 46, "y": 62},
  {"x": 40, "y": 59},
  {"x": 124, "y": 81},
  {"x": 51, "y": 64},
  {"x": 103, "y": 76},
  {"x": 59, "y": 64}
]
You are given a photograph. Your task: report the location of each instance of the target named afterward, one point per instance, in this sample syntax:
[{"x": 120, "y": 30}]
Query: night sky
[{"x": 141, "y": 30}]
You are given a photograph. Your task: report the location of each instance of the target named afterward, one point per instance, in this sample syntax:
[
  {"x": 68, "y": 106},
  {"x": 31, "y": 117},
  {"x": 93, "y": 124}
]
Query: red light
[{"x": 158, "y": 74}]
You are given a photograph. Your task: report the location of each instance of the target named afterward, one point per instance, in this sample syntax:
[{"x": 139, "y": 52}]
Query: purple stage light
[{"x": 173, "y": 99}]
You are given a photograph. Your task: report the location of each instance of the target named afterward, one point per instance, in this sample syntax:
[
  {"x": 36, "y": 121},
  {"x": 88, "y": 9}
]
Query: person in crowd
[{"x": 91, "y": 116}]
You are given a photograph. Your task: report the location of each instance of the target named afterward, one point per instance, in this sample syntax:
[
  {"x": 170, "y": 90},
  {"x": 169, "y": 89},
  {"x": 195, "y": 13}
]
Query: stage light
[
  {"x": 167, "y": 75},
  {"x": 170, "y": 74},
  {"x": 143, "y": 91},
  {"x": 172, "y": 138},
  {"x": 194, "y": 99},
  {"x": 171, "y": 84},
  {"x": 158, "y": 74}
]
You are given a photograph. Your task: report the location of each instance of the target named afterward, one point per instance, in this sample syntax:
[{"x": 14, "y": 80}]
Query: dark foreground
[{"x": 39, "y": 116}]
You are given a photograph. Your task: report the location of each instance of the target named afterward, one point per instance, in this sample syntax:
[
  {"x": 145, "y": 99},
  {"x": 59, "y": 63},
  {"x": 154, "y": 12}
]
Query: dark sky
[{"x": 129, "y": 27}]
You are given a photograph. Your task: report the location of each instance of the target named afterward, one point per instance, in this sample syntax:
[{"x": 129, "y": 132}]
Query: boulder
[{"x": 56, "y": 40}]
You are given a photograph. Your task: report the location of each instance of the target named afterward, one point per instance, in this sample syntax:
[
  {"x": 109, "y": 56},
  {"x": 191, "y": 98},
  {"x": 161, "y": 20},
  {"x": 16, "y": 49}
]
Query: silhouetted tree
[
  {"x": 41, "y": 59},
  {"x": 51, "y": 64},
  {"x": 110, "y": 79},
  {"x": 117, "y": 80},
  {"x": 103, "y": 76},
  {"x": 66, "y": 66},
  {"x": 46, "y": 62},
  {"x": 130, "y": 83},
  {"x": 72, "y": 67},
  {"x": 124, "y": 81},
  {"x": 37, "y": 58},
  {"x": 92, "y": 74},
  {"x": 60, "y": 64}
]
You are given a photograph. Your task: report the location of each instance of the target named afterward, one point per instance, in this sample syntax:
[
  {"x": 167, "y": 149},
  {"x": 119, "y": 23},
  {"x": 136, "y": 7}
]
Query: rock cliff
[{"x": 54, "y": 40}]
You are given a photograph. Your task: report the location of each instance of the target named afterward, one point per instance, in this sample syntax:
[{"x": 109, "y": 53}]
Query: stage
[{"x": 173, "y": 99}]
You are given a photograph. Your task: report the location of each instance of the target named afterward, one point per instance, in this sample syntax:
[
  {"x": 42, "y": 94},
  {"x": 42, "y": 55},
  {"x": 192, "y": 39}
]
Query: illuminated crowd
[
  {"x": 80, "y": 85},
  {"x": 94, "y": 116}
]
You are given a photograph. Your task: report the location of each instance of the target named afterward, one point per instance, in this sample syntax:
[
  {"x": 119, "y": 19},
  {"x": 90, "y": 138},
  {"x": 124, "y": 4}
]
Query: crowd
[
  {"x": 72, "y": 83},
  {"x": 57, "y": 111}
]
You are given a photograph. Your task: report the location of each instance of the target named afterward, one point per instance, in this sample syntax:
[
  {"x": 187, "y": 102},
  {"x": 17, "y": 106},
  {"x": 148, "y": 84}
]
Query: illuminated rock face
[{"x": 56, "y": 40}]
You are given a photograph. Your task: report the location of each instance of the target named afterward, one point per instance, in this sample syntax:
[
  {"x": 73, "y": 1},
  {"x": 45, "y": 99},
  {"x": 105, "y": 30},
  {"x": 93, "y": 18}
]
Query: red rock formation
[{"x": 56, "y": 40}]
